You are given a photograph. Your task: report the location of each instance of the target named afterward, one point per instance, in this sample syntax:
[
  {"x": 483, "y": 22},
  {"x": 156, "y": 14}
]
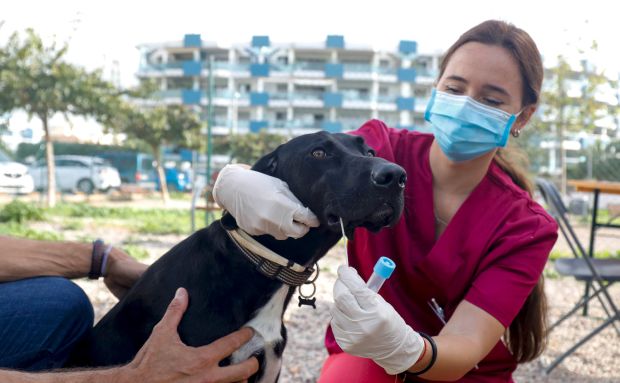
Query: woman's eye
[
  {"x": 492, "y": 102},
  {"x": 451, "y": 89},
  {"x": 370, "y": 153},
  {"x": 319, "y": 153}
]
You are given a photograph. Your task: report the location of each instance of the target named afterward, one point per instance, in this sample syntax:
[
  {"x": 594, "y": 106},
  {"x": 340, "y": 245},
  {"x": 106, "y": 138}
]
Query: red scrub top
[{"x": 492, "y": 252}]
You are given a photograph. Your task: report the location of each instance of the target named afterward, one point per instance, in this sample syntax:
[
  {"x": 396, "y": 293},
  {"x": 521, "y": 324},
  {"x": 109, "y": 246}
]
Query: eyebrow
[{"x": 492, "y": 87}]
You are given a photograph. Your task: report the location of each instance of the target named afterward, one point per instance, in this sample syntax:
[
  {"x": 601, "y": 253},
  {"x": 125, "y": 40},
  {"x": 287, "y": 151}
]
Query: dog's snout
[{"x": 389, "y": 175}]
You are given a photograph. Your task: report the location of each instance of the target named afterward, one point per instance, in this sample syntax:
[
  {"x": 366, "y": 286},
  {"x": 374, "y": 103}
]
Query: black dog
[{"x": 335, "y": 175}]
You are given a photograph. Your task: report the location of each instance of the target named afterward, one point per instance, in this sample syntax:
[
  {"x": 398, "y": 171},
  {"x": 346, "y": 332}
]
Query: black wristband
[
  {"x": 433, "y": 355},
  {"x": 96, "y": 259}
]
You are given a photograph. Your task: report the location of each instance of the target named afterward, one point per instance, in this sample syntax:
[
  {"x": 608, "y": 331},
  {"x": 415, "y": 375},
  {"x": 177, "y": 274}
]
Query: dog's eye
[
  {"x": 371, "y": 153},
  {"x": 319, "y": 153}
]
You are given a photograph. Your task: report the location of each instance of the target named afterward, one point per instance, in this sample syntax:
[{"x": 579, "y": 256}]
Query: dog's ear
[{"x": 267, "y": 164}]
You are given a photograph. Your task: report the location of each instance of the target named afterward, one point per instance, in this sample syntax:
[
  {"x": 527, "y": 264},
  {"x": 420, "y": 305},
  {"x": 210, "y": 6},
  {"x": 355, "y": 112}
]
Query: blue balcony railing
[
  {"x": 307, "y": 96},
  {"x": 355, "y": 96},
  {"x": 358, "y": 68},
  {"x": 309, "y": 65},
  {"x": 279, "y": 96},
  {"x": 387, "y": 99}
]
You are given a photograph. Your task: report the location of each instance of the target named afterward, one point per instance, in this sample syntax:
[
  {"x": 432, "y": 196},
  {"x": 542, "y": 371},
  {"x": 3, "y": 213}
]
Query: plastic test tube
[{"x": 382, "y": 271}]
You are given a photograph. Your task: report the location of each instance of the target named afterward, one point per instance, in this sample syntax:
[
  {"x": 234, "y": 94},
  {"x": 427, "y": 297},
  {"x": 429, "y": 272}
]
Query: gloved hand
[
  {"x": 262, "y": 204},
  {"x": 365, "y": 325}
]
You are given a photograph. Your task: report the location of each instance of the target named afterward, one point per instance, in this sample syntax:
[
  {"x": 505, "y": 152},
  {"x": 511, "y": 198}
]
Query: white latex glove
[
  {"x": 365, "y": 325},
  {"x": 262, "y": 204}
]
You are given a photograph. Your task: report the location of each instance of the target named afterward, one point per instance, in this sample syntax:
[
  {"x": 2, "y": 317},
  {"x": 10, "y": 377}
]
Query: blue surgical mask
[{"x": 465, "y": 128}]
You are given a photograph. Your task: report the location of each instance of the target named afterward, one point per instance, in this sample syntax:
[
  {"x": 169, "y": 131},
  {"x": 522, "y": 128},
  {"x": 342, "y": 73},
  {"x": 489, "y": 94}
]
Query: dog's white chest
[{"x": 267, "y": 324}]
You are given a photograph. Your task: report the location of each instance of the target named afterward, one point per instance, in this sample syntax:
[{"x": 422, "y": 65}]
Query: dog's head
[{"x": 338, "y": 176}]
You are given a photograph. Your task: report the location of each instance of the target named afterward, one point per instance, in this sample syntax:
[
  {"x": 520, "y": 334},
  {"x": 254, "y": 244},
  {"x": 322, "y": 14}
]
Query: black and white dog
[{"x": 231, "y": 285}]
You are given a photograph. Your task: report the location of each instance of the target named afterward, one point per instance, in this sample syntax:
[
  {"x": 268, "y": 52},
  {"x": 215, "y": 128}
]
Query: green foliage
[
  {"x": 42, "y": 83},
  {"x": 72, "y": 225},
  {"x": 158, "y": 125},
  {"x": 146, "y": 221},
  {"x": 36, "y": 78},
  {"x": 20, "y": 212},
  {"x": 135, "y": 251},
  {"x": 599, "y": 161},
  {"x": 15, "y": 229},
  {"x": 565, "y": 112},
  {"x": 163, "y": 227},
  {"x": 557, "y": 254},
  {"x": 248, "y": 148}
]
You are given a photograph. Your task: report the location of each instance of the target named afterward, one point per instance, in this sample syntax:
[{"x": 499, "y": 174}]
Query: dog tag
[{"x": 307, "y": 302}]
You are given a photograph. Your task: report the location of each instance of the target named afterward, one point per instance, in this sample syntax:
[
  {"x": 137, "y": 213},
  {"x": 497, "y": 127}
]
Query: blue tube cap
[{"x": 384, "y": 267}]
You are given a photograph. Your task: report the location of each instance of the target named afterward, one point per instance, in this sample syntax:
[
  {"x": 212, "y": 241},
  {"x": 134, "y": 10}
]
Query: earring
[{"x": 516, "y": 132}]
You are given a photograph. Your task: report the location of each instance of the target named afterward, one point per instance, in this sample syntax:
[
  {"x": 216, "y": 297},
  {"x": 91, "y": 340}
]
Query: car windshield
[{"x": 101, "y": 162}]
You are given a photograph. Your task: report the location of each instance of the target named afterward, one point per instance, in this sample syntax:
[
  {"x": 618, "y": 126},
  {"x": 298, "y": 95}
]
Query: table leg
[{"x": 591, "y": 246}]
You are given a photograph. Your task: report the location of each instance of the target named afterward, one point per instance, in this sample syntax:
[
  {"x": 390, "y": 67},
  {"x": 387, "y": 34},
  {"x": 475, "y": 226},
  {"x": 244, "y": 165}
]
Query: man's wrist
[{"x": 99, "y": 259}]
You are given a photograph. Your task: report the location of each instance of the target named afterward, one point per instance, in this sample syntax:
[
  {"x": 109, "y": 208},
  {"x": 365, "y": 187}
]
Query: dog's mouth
[{"x": 379, "y": 218}]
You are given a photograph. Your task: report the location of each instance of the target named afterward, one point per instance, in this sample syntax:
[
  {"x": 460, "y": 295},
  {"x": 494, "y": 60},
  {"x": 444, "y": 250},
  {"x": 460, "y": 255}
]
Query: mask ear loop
[{"x": 516, "y": 132}]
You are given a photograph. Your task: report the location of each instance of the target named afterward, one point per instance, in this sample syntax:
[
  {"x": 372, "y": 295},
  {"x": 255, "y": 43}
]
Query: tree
[
  {"x": 37, "y": 79},
  {"x": 248, "y": 148},
  {"x": 564, "y": 111},
  {"x": 161, "y": 125}
]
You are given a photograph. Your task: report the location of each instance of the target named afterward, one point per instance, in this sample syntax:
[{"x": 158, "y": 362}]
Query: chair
[{"x": 583, "y": 267}]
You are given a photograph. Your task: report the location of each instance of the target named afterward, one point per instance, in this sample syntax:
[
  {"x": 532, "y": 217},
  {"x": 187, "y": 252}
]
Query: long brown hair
[{"x": 526, "y": 335}]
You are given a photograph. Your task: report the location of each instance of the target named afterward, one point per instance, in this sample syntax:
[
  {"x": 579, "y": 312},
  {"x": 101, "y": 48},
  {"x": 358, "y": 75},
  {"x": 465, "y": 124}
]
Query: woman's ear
[{"x": 525, "y": 116}]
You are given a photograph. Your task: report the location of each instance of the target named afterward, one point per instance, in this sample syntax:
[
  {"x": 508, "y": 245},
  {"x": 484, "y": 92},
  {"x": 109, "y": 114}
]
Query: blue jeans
[{"x": 41, "y": 319}]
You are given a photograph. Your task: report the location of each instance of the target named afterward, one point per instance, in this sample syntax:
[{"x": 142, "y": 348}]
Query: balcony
[
  {"x": 356, "y": 100},
  {"x": 308, "y": 99},
  {"x": 309, "y": 66}
]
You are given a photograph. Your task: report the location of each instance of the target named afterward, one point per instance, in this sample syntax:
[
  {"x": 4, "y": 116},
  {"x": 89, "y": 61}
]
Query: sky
[{"x": 106, "y": 33}]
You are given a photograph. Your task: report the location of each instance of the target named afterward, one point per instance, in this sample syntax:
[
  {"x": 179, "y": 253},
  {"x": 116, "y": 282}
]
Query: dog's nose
[{"x": 389, "y": 175}]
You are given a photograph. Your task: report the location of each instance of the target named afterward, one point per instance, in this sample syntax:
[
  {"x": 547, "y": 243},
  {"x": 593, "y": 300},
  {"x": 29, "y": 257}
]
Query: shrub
[{"x": 20, "y": 212}]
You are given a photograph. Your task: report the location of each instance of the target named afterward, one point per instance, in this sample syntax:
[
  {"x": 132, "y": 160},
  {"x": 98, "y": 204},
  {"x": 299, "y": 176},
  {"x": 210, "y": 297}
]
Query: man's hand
[
  {"x": 122, "y": 272},
  {"x": 164, "y": 357}
]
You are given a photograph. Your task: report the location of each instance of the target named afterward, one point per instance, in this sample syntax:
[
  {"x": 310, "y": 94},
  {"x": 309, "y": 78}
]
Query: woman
[{"x": 471, "y": 238}]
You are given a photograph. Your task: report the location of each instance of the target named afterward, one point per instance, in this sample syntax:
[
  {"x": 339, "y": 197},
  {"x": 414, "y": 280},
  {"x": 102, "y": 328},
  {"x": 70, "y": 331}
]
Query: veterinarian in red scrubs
[{"x": 471, "y": 245}]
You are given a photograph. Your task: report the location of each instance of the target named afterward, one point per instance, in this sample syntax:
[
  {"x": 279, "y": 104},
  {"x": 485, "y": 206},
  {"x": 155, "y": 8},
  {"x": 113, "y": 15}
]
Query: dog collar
[{"x": 268, "y": 262}]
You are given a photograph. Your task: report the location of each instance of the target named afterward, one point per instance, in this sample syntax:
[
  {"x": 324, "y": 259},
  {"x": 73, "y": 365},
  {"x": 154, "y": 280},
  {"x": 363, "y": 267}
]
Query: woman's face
[{"x": 488, "y": 74}]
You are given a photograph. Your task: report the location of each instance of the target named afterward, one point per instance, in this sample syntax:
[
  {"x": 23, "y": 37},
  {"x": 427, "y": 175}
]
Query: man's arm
[
  {"x": 163, "y": 358},
  {"x": 93, "y": 376},
  {"x": 25, "y": 258}
]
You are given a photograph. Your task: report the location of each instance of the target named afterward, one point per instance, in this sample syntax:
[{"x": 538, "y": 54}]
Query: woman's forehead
[{"x": 481, "y": 64}]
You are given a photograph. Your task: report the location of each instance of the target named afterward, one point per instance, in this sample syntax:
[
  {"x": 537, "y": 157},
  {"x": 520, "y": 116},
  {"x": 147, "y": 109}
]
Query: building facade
[{"x": 293, "y": 88}]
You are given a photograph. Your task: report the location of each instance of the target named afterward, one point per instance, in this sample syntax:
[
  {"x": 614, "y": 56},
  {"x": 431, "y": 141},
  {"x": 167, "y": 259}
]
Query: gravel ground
[{"x": 596, "y": 361}]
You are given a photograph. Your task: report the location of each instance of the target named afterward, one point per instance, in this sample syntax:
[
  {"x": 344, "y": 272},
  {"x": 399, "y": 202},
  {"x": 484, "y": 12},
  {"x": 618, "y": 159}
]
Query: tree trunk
[
  {"x": 51, "y": 166},
  {"x": 161, "y": 175}
]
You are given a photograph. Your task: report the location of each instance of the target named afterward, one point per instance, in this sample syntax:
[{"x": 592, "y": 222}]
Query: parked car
[
  {"x": 14, "y": 177},
  {"x": 77, "y": 173},
  {"x": 176, "y": 179},
  {"x": 133, "y": 167}
]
